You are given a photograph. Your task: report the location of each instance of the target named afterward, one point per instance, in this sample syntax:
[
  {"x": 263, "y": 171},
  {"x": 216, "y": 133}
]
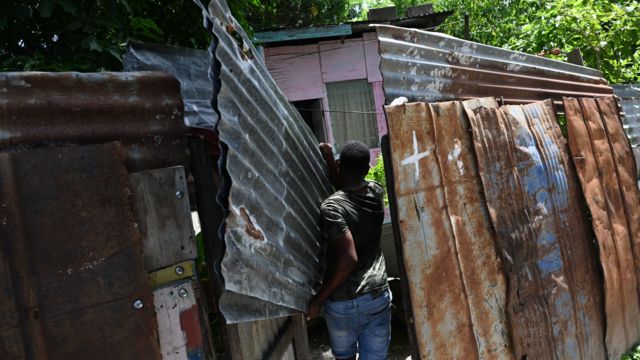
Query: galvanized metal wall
[
  {"x": 189, "y": 66},
  {"x": 427, "y": 66},
  {"x": 275, "y": 183},
  {"x": 630, "y": 107},
  {"x": 456, "y": 286},
  {"x": 555, "y": 295},
  {"x": 604, "y": 160}
]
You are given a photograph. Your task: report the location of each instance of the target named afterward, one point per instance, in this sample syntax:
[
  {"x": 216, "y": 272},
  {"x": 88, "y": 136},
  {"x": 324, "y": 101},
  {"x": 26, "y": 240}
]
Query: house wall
[{"x": 302, "y": 71}]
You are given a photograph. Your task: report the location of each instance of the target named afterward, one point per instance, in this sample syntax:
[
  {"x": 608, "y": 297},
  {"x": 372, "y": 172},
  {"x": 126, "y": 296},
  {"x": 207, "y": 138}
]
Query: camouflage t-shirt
[{"x": 361, "y": 213}]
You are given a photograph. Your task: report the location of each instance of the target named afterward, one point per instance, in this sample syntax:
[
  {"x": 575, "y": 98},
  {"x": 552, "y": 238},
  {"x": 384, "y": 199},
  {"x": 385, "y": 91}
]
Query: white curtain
[{"x": 352, "y": 110}]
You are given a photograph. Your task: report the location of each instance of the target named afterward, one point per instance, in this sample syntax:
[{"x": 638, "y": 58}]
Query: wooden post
[{"x": 466, "y": 26}]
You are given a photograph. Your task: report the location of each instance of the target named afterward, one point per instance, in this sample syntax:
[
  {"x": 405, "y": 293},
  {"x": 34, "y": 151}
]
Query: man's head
[{"x": 354, "y": 160}]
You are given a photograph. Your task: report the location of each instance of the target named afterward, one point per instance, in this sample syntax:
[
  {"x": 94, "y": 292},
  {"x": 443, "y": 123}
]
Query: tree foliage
[
  {"x": 606, "y": 31},
  {"x": 59, "y": 35},
  {"x": 56, "y": 35}
]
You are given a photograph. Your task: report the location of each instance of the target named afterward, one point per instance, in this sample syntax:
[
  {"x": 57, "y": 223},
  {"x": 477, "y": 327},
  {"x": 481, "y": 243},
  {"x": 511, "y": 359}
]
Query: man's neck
[{"x": 353, "y": 183}]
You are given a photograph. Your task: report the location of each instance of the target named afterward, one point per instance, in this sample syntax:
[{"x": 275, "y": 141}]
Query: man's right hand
[{"x": 334, "y": 173}]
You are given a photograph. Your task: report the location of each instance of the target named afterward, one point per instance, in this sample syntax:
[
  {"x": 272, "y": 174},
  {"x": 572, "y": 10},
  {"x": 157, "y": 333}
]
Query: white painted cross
[{"x": 415, "y": 158}]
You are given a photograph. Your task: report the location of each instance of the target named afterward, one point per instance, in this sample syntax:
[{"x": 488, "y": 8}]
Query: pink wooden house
[{"x": 331, "y": 74}]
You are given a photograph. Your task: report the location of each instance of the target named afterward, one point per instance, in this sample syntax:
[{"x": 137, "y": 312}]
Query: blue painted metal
[
  {"x": 531, "y": 189},
  {"x": 303, "y": 33}
]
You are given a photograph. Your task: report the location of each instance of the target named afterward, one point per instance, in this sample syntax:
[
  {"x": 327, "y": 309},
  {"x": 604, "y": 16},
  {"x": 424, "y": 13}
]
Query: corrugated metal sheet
[
  {"x": 630, "y": 105},
  {"x": 603, "y": 158},
  {"x": 276, "y": 181},
  {"x": 531, "y": 190},
  {"x": 428, "y": 66},
  {"x": 71, "y": 269},
  {"x": 456, "y": 286},
  {"x": 189, "y": 66},
  {"x": 88, "y": 108}
]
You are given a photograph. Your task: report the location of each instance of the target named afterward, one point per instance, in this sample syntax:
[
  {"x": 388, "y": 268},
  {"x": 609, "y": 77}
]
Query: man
[{"x": 355, "y": 293}]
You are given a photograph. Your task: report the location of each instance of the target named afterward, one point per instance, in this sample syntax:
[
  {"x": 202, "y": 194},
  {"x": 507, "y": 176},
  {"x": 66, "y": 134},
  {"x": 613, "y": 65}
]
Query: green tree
[
  {"x": 607, "y": 32},
  {"x": 59, "y": 35}
]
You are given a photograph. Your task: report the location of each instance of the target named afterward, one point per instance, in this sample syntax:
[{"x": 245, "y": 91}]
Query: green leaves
[
  {"x": 84, "y": 35},
  {"x": 633, "y": 354},
  {"x": 377, "y": 174},
  {"x": 607, "y": 32}
]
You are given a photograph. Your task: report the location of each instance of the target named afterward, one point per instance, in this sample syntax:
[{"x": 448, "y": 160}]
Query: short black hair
[{"x": 354, "y": 158}]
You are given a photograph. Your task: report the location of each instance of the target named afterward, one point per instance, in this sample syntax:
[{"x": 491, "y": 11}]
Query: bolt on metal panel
[
  {"x": 554, "y": 299},
  {"x": 276, "y": 181},
  {"x": 72, "y": 258},
  {"x": 603, "y": 159},
  {"x": 428, "y": 66},
  {"x": 456, "y": 285}
]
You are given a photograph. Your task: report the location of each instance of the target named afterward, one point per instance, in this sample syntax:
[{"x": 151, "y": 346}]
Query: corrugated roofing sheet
[
  {"x": 189, "y": 66},
  {"x": 603, "y": 158},
  {"x": 100, "y": 107},
  {"x": 555, "y": 294},
  {"x": 428, "y": 66},
  {"x": 276, "y": 181},
  {"x": 456, "y": 285},
  {"x": 630, "y": 106}
]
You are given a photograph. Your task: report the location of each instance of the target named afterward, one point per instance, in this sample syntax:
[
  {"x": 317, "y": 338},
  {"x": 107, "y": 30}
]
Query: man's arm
[
  {"x": 346, "y": 260},
  {"x": 334, "y": 172}
]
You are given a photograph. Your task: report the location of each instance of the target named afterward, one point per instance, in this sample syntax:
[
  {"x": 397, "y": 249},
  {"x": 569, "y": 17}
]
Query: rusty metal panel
[
  {"x": 74, "y": 283},
  {"x": 554, "y": 299},
  {"x": 445, "y": 233},
  {"x": 164, "y": 216},
  {"x": 428, "y": 66},
  {"x": 602, "y": 157},
  {"x": 629, "y": 96},
  {"x": 275, "y": 181},
  {"x": 88, "y": 107}
]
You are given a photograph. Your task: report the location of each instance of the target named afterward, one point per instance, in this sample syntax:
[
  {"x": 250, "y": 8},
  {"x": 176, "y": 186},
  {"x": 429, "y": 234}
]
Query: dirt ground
[{"x": 400, "y": 348}]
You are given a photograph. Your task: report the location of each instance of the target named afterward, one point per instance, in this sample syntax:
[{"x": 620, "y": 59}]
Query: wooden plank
[
  {"x": 297, "y": 71},
  {"x": 164, "y": 216},
  {"x": 282, "y": 341},
  {"x": 301, "y": 34},
  {"x": 372, "y": 56},
  {"x": 342, "y": 60},
  {"x": 178, "y": 322},
  {"x": 300, "y": 337}
]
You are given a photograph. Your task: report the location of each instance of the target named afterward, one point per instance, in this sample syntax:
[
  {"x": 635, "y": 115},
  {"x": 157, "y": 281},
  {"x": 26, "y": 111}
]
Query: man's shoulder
[
  {"x": 334, "y": 199},
  {"x": 376, "y": 188}
]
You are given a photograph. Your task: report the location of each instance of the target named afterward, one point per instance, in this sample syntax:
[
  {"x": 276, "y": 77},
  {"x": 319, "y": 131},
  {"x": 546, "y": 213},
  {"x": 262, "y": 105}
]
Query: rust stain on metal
[
  {"x": 71, "y": 258},
  {"x": 456, "y": 286},
  {"x": 88, "y": 108},
  {"x": 554, "y": 299},
  {"x": 249, "y": 227},
  {"x": 427, "y": 66},
  {"x": 602, "y": 156}
]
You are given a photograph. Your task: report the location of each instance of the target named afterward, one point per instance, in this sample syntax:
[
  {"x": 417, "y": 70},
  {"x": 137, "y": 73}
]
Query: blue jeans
[{"x": 360, "y": 325}]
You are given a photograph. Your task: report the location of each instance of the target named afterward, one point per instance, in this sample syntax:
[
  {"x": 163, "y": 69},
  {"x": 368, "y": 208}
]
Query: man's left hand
[{"x": 314, "y": 308}]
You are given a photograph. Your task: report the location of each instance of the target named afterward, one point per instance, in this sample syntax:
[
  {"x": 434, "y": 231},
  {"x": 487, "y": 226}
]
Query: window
[
  {"x": 311, "y": 112},
  {"x": 352, "y": 112}
]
